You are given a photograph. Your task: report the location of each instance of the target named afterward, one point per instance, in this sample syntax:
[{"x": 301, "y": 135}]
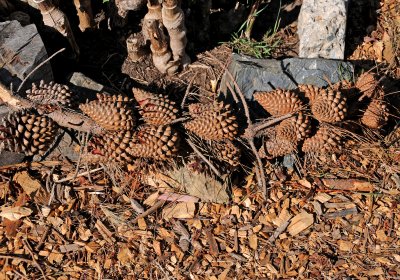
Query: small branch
[
  {"x": 179, "y": 120},
  {"x": 28, "y": 247},
  {"x": 215, "y": 170},
  {"x": 149, "y": 211},
  {"x": 187, "y": 92},
  {"x": 37, "y": 67},
  {"x": 78, "y": 175},
  {"x": 262, "y": 184}
]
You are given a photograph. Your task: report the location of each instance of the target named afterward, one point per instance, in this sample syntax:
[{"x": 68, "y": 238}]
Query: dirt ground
[{"x": 327, "y": 217}]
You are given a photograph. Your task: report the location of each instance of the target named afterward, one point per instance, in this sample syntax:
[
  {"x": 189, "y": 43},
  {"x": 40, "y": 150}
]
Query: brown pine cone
[
  {"x": 325, "y": 140},
  {"x": 310, "y": 91},
  {"x": 329, "y": 106},
  {"x": 276, "y": 148},
  {"x": 155, "y": 109},
  {"x": 158, "y": 143},
  {"x": 115, "y": 145},
  {"x": 376, "y": 114},
  {"x": 28, "y": 132},
  {"x": 368, "y": 85},
  {"x": 110, "y": 112},
  {"x": 279, "y": 102},
  {"x": 294, "y": 129},
  {"x": 226, "y": 151},
  {"x": 52, "y": 94},
  {"x": 213, "y": 121}
]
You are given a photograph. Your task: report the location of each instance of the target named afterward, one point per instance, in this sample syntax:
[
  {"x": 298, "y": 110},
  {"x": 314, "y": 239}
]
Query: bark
[
  {"x": 55, "y": 18},
  {"x": 85, "y": 14},
  {"x": 174, "y": 21},
  {"x": 162, "y": 57}
]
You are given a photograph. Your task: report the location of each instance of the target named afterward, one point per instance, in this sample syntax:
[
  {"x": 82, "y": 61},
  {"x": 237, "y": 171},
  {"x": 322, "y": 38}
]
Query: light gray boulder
[{"x": 322, "y": 28}]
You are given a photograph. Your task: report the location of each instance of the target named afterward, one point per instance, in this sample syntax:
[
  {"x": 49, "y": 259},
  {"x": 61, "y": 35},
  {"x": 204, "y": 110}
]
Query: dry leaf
[
  {"x": 378, "y": 49},
  {"x": 125, "y": 255},
  {"x": 28, "y": 184},
  {"x": 180, "y": 210},
  {"x": 388, "y": 52},
  {"x": 300, "y": 222},
  {"x": 15, "y": 213}
]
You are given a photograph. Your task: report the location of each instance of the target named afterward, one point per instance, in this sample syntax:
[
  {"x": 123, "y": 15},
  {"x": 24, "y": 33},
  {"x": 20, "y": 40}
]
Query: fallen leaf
[
  {"x": 182, "y": 210},
  {"x": 388, "y": 52},
  {"x": 15, "y": 213},
  {"x": 28, "y": 184},
  {"x": 378, "y": 49},
  {"x": 124, "y": 255}
]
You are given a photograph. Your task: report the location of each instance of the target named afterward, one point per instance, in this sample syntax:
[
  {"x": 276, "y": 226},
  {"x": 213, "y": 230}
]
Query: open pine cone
[
  {"x": 276, "y": 148},
  {"x": 329, "y": 106},
  {"x": 28, "y": 132},
  {"x": 110, "y": 112},
  {"x": 52, "y": 94},
  {"x": 376, "y": 114},
  {"x": 158, "y": 143},
  {"x": 155, "y": 109},
  {"x": 226, "y": 151},
  {"x": 279, "y": 102},
  {"x": 115, "y": 145},
  {"x": 369, "y": 86},
  {"x": 294, "y": 129},
  {"x": 325, "y": 140},
  {"x": 310, "y": 91},
  {"x": 213, "y": 121}
]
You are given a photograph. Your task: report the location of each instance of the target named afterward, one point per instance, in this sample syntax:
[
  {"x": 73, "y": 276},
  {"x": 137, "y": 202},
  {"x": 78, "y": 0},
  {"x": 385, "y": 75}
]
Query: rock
[
  {"x": 10, "y": 158},
  {"x": 21, "y": 50},
  {"x": 322, "y": 28},
  {"x": 254, "y": 74}
]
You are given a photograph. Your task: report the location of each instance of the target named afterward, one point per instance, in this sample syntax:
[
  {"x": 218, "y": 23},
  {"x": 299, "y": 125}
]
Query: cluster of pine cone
[
  {"x": 156, "y": 137},
  {"x": 329, "y": 107}
]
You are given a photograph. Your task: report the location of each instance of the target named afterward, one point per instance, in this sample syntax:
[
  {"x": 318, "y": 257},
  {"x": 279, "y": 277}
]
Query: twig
[
  {"x": 179, "y": 120},
  {"x": 43, "y": 238},
  {"x": 13, "y": 257},
  {"x": 79, "y": 175},
  {"x": 37, "y": 67},
  {"x": 187, "y": 92},
  {"x": 261, "y": 176},
  {"x": 149, "y": 211},
  {"x": 215, "y": 170},
  {"x": 28, "y": 247}
]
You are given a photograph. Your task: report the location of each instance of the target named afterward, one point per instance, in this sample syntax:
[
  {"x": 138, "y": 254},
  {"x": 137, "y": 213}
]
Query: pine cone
[
  {"x": 111, "y": 112},
  {"x": 155, "y": 110},
  {"x": 51, "y": 93},
  {"x": 114, "y": 146},
  {"x": 158, "y": 143},
  {"x": 329, "y": 106},
  {"x": 368, "y": 85},
  {"x": 310, "y": 91},
  {"x": 325, "y": 140},
  {"x": 226, "y": 151},
  {"x": 28, "y": 133},
  {"x": 276, "y": 148},
  {"x": 294, "y": 129},
  {"x": 279, "y": 102},
  {"x": 376, "y": 114},
  {"x": 212, "y": 121}
]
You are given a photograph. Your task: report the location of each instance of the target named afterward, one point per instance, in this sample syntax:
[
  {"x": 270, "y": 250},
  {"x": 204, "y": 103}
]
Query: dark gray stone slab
[
  {"x": 253, "y": 74},
  {"x": 21, "y": 50},
  {"x": 9, "y": 158}
]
